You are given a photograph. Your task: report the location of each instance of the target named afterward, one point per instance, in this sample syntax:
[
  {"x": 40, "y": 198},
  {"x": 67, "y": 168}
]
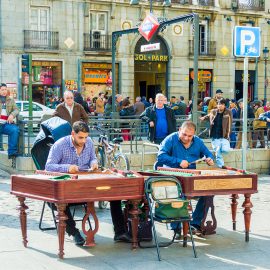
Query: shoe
[
  {"x": 124, "y": 237},
  {"x": 196, "y": 229},
  {"x": 78, "y": 239},
  {"x": 12, "y": 156},
  {"x": 178, "y": 236}
]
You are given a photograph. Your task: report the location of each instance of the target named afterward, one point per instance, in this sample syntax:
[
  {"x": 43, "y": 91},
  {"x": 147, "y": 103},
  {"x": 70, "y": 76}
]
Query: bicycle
[{"x": 109, "y": 155}]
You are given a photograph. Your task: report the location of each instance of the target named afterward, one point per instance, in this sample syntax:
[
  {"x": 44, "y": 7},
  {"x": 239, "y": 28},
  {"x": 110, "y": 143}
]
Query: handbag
[{"x": 144, "y": 230}]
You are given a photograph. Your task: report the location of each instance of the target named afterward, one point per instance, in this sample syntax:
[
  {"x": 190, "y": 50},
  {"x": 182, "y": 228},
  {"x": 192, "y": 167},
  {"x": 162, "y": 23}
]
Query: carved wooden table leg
[
  {"x": 234, "y": 204},
  {"x": 23, "y": 217},
  {"x": 61, "y": 217},
  {"x": 211, "y": 225},
  {"x": 247, "y": 214},
  {"x": 90, "y": 234},
  {"x": 134, "y": 214},
  {"x": 185, "y": 232}
]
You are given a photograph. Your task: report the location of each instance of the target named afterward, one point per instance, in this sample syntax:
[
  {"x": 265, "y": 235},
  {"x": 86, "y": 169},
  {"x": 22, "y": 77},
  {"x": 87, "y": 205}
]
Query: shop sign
[
  {"x": 71, "y": 85},
  {"x": 95, "y": 76},
  {"x": 203, "y": 75},
  {"x": 150, "y": 47},
  {"x": 151, "y": 57},
  {"x": 149, "y": 27}
]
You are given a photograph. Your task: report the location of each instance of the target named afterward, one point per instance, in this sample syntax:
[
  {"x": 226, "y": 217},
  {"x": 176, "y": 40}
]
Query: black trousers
[
  {"x": 117, "y": 217},
  {"x": 70, "y": 223}
]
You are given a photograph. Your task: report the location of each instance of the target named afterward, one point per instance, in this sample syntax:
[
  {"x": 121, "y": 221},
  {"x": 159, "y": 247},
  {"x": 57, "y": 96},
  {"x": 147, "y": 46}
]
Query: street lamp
[
  {"x": 265, "y": 57},
  {"x": 166, "y": 3}
]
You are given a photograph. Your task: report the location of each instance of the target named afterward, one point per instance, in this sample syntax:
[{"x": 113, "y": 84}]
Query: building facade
[{"x": 70, "y": 42}]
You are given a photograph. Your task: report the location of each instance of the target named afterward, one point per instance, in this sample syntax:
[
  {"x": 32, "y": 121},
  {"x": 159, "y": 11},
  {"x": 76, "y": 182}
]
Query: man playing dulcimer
[{"x": 183, "y": 150}]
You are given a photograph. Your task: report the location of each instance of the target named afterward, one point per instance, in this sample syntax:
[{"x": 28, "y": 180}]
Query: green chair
[{"x": 166, "y": 205}]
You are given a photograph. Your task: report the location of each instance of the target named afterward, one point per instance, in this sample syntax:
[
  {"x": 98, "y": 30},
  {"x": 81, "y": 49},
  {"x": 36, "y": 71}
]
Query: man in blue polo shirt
[{"x": 179, "y": 150}]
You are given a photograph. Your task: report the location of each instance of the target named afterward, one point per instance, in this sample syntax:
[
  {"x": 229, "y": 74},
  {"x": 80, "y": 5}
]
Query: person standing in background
[
  {"x": 70, "y": 110},
  {"x": 220, "y": 129},
  {"x": 213, "y": 102},
  {"x": 160, "y": 118},
  {"x": 259, "y": 126}
]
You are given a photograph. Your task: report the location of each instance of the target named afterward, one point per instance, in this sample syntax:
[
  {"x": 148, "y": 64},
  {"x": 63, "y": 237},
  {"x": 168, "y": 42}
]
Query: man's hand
[
  {"x": 209, "y": 161},
  {"x": 184, "y": 164},
  {"x": 73, "y": 169},
  {"x": 10, "y": 119},
  {"x": 202, "y": 118},
  {"x": 151, "y": 124},
  {"x": 94, "y": 167}
]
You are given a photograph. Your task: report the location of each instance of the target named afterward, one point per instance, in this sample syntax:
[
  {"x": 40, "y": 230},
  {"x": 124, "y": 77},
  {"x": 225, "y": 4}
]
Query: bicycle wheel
[
  {"x": 121, "y": 162},
  {"x": 101, "y": 157}
]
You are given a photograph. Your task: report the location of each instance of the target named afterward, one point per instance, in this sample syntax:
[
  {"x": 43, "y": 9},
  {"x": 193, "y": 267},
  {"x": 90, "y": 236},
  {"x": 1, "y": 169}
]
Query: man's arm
[
  {"x": 84, "y": 115},
  {"x": 164, "y": 154},
  {"x": 54, "y": 158}
]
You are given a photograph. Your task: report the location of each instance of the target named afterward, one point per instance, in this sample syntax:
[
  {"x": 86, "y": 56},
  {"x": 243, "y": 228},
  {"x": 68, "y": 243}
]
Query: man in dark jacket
[
  {"x": 161, "y": 120},
  {"x": 220, "y": 129},
  {"x": 70, "y": 110}
]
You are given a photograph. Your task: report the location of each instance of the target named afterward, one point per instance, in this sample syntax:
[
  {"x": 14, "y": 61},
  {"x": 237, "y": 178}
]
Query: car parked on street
[{"x": 38, "y": 109}]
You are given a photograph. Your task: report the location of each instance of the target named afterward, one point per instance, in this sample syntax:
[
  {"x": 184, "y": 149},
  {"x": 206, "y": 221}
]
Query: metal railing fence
[{"x": 134, "y": 131}]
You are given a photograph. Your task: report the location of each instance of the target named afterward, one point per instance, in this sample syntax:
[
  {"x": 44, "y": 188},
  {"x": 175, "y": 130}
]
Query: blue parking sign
[{"x": 247, "y": 41}]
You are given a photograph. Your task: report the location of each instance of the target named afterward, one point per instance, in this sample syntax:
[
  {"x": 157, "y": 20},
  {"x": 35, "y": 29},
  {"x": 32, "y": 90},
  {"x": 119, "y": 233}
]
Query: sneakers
[
  {"x": 196, "y": 229},
  {"x": 177, "y": 234},
  {"x": 124, "y": 237},
  {"x": 78, "y": 239}
]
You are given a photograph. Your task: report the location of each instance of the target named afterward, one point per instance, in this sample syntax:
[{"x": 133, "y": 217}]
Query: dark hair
[
  {"x": 109, "y": 100},
  {"x": 222, "y": 101},
  {"x": 182, "y": 98},
  {"x": 80, "y": 126},
  {"x": 3, "y": 84},
  {"x": 100, "y": 93},
  {"x": 125, "y": 102},
  {"x": 189, "y": 125},
  {"x": 172, "y": 96}
]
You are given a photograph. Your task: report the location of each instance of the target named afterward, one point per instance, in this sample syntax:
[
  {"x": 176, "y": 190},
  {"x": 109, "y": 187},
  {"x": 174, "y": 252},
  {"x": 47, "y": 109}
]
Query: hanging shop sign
[
  {"x": 150, "y": 47},
  {"x": 203, "y": 75},
  {"x": 149, "y": 27},
  {"x": 71, "y": 85},
  {"x": 96, "y": 76},
  {"x": 151, "y": 57}
]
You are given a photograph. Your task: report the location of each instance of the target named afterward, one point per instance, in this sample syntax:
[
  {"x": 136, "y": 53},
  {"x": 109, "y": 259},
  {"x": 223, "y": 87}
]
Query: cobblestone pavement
[{"x": 225, "y": 250}]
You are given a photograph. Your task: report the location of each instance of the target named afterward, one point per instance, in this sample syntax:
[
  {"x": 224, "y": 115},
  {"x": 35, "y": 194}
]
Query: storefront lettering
[{"x": 151, "y": 57}]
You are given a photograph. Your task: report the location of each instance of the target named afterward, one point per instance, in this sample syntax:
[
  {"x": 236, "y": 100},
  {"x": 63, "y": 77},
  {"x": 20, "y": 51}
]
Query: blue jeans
[
  {"x": 13, "y": 135},
  {"x": 197, "y": 215},
  {"x": 220, "y": 146}
]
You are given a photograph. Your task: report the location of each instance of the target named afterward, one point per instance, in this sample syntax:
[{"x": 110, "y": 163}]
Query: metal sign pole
[{"x": 245, "y": 108}]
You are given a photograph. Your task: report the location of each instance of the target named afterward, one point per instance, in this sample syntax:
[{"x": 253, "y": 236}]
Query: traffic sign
[{"x": 247, "y": 41}]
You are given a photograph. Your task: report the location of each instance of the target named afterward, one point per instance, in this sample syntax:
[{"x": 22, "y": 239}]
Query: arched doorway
[{"x": 151, "y": 69}]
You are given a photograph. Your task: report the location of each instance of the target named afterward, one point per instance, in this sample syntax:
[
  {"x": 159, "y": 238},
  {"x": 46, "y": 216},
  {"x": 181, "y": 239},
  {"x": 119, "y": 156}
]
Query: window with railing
[
  {"x": 46, "y": 40},
  {"x": 206, "y": 3},
  {"x": 258, "y": 5},
  {"x": 206, "y": 48},
  {"x": 95, "y": 41}
]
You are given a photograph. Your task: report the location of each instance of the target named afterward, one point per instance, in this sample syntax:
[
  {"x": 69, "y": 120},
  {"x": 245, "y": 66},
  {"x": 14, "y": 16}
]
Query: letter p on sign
[{"x": 247, "y": 41}]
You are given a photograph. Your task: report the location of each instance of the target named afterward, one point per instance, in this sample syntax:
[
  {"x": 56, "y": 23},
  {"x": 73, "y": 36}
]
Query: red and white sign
[
  {"x": 149, "y": 27},
  {"x": 150, "y": 47}
]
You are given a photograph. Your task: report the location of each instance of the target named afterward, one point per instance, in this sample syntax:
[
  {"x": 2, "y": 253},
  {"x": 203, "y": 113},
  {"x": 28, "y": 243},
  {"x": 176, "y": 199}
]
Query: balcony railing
[
  {"x": 258, "y": 5},
  {"x": 46, "y": 40},
  {"x": 209, "y": 3},
  {"x": 182, "y": 2},
  {"x": 97, "y": 42},
  {"x": 206, "y": 48}
]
